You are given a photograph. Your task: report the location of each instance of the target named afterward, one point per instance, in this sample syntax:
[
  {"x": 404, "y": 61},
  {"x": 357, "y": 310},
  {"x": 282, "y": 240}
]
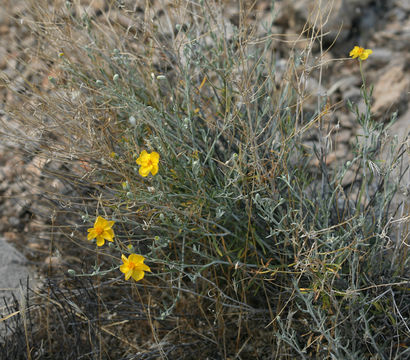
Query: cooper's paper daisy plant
[
  {"x": 360, "y": 52},
  {"x": 102, "y": 230},
  {"x": 134, "y": 267},
  {"x": 148, "y": 162}
]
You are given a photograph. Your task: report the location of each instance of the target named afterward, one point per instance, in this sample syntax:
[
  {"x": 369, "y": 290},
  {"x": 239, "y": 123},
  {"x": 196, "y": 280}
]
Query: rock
[
  {"x": 344, "y": 136},
  {"x": 403, "y": 4},
  {"x": 97, "y": 5},
  {"x": 353, "y": 95},
  {"x": 330, "y": 158},
  {"x": 342, "y": 152},
  {"x": 343, "y": 84},
  {"x": 346, "y": 120},
  {"x": 36, "y": 246},
  {"x": 354, "y": 4},
  {"x": 4, "y": 18},
  {"x": 14, "y": 221},
  {"x": 10, "y": 236},
  {"x": 391, "y": 88},
  {"x": 380, "y": 57},
  {"x": 53, "y": 261},
  {"x": 349, "y": 177},
  {"x": 402, "y": 128},
  {"x": 336, "y": 16},
  {"x": 397, "y": 14},
  {"x": 4, "y": 29},
  {"x": 36, "y": 165},
  {"x": 13, "y": 275}
]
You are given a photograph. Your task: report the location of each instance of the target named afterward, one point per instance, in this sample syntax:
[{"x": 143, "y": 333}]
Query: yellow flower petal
[
  {"x": 136, "y": 259},
  {"x": 92, "y": 234},
  {"x": 109, "y": 225},
  {"x": 142, "y": 267},
  {"x": 124, "y": 268},
  {"x": 354, "y": 52},
  {"x": 154, "y": 157},
  {"x": 137, "y": 275},
  {"x": 128, "y": 274},
  {"x": 108, "y": 235},
  {"x": 144, "y": 171},
  {"x": 100, "y": 222},
  {"x": 143, "y": 158},
  {"x": 154, "y": 169},
  {"x": 100, "y": 240},
  {"x": 365, "y": 54},
  {"x": 124, "y": 258}
]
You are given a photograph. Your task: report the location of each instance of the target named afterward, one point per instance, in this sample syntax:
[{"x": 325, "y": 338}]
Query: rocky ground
[{"x": 380, "y": 25}]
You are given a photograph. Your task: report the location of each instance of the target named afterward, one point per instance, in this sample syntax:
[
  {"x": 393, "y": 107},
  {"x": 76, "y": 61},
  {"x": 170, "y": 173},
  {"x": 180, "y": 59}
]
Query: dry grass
[{"x": 254, "y": 252}]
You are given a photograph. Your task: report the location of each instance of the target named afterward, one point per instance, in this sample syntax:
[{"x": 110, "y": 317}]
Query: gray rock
[
  {"x": 13, "y": 277},
  {"x": 404, "y": 4},
  {"x": 381, "y": 56},
  {"x": 391, "y": 89},
  {"x": 336, "y": 16},
  {"x": 12, "y": 268},
  {"x": 353, "y": 95}
]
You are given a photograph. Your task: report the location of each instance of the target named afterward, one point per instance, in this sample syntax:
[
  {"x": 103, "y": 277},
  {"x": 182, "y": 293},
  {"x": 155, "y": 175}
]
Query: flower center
[
  {"x": 131, "y": 265},
  {"x": 360, "y": 51},
  {"x": 149, "y": 163},
  {"x": 99, "y": 230}
]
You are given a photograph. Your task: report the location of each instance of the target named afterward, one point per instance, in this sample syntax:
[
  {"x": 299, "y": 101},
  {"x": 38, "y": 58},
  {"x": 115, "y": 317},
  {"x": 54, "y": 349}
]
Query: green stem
[
  {"x": 365, "y": 94},
  {"x": 361, "y": 73}
]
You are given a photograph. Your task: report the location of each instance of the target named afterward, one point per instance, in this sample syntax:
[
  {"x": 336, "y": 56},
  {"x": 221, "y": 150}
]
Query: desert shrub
[{"x": 255, "y": 246}]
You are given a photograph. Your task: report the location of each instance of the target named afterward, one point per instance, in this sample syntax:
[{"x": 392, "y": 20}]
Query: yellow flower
[
  {"x": 134, "y": 266},
  {"x": 358, "y": 51},
  {"x": 102, "y": 230},
  {"x": 148, "y": 162}
]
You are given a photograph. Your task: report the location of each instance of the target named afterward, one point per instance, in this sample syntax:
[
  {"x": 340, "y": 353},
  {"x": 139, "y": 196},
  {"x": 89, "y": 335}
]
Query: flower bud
[
  {"x": 71, "y": 272},
  {"x": 132, "y": 121}
]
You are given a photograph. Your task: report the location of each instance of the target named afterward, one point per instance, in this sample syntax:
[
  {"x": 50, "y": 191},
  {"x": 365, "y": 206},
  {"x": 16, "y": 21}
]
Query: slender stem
[{"x": 362, "y": 74}]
